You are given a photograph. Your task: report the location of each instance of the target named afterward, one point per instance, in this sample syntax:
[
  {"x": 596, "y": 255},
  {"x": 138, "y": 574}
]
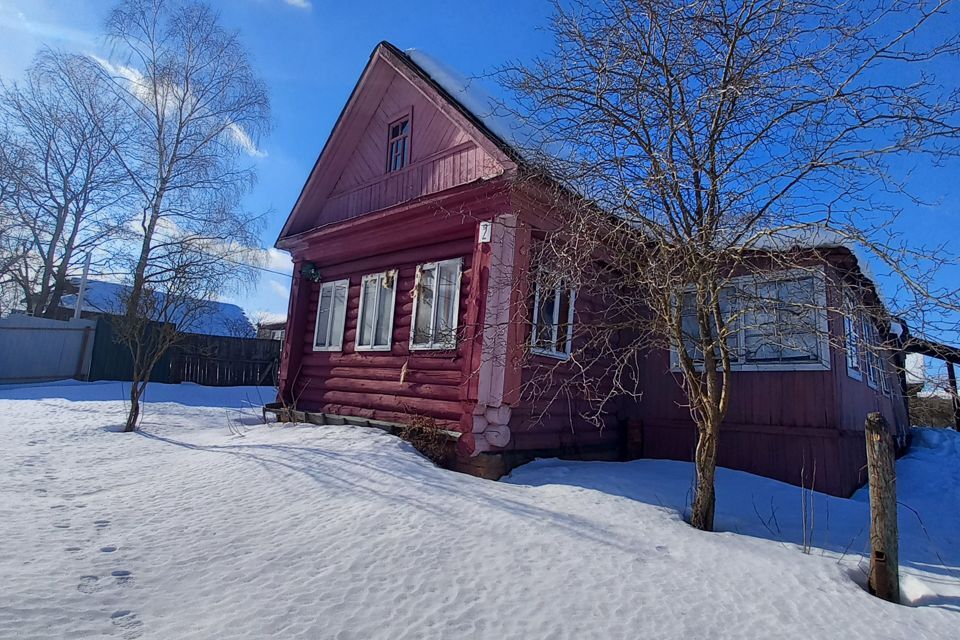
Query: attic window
[{"x": 398, "y": 144}]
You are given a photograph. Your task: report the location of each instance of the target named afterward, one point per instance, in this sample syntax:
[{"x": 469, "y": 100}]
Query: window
[
  {"x": 874, "y": 361},
  {"x": 853, "y": 336},
  {"x": 781, "y": 321},
  {"x": 775, "y": 323},
  {"x": 691, "y": 327},
  {"x": 553, "y": 309},
  {"x": 435, "y": 305},
  {"x": 331, "y": 315},
  {"x": 375, "y": 318},
  {"x": 398, "y": 144}
]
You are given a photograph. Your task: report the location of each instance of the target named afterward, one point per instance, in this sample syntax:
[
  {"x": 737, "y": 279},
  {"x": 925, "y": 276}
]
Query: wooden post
[
  {"x": 954, "y": 399},
  {"x": 884, "y": 581}
]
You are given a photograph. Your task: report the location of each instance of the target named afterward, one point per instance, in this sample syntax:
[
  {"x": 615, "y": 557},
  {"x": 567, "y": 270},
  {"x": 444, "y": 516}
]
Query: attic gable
[{"x": 447, "y": 147}]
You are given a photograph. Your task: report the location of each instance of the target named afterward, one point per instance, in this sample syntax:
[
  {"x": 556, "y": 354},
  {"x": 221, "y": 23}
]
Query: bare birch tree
[
  {"x": 198, "y": 108},
  {"x": 709, "y": 139},
  {"x": 63, "y": 186}
]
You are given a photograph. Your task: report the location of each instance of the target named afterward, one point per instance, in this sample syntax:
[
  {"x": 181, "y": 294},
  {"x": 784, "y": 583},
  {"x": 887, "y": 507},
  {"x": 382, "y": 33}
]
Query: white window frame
[
  {"x": 333, "y": 285},
  {"x": 737, "y": 356},
  {"x": 852, "y": 336},
  {"x": 434, "y": 344},
  {"x": 741, "y": 363},
  {"x": 559, "y": 290},
  {"x": 378, "y": 278}
]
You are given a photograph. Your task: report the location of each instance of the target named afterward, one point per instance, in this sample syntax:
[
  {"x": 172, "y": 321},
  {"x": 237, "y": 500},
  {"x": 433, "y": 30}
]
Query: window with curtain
[
  {"x": 375, "y": 320},
  {"x": 552, "y": 330},
  {"x": 331, "y": 315},
  {"x": 435, "y": 305}
]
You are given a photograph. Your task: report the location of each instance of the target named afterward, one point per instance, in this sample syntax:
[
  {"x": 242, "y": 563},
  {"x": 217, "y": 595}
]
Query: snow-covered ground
[{"x": 189, "y": 530}]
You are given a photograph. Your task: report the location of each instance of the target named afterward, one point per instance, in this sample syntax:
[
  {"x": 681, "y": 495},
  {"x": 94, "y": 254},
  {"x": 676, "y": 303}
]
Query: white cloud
[
  {"x": 140, "y": 88},
  {"x": 262, "y": 315},
  {"x": 282, "y": 290},
  {"x": 277, "y": 260},
  {"x": 300, "y": 4},
  {"x": 246, "y": 143}
]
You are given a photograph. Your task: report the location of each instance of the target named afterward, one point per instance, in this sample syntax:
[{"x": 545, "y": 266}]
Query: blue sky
[{"x": 311, "y": 54}]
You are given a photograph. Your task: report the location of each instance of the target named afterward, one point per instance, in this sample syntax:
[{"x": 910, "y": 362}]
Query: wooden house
[{"x": 411, "y": 241}]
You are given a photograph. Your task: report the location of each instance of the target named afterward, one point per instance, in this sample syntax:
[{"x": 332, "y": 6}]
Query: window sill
[
  {"x": 327, "y": 349},
  {"x": 854, "y": 374},
  {"x": 359, "y": 348},
  {"x": 556, "y": 355},
  {"x": 433, "y": 347},
  {"x": 760, "y": 368}
]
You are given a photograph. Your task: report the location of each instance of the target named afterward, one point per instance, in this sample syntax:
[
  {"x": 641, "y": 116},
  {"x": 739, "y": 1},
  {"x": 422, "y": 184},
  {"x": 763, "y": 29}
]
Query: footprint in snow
[
  {"x": 61, "y": 525},
  {"x": 100, "y": 524},
  {"x": 88, "y": 584},
  {"x": 123, "y": 576},
  {"x": 128, "y": 623},
  {"x": 73, "y": 549},
  {"x": 108, "y": 549}
]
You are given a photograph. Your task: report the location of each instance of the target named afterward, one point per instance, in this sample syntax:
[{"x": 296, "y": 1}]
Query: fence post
[
  {"x": 884, "y": 581},
  {"x": 83, "y": 372}
]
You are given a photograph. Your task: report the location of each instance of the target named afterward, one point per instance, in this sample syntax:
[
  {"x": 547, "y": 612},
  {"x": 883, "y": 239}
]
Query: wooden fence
[
  {"x": 220, "y": 361},
  {"x": 208, "y": 360}
]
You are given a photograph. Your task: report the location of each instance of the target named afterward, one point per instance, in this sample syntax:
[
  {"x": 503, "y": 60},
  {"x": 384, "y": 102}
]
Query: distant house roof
[{"x": 218, "y": 319}]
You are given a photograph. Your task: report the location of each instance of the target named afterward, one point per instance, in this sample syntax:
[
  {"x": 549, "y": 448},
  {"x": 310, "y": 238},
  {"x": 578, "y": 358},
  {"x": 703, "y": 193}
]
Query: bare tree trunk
[
  {"x": 704, "y": 498},
  {"x": 133, "y": 415},
  {"x": 881, "y": 469}
]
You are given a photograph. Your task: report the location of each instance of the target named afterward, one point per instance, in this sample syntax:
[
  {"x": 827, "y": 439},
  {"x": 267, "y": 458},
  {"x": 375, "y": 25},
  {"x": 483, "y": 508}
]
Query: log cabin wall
[{"x": 399, "y": 384}]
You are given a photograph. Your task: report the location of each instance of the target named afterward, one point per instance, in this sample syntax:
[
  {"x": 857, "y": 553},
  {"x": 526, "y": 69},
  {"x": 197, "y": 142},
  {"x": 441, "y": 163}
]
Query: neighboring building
[
  {"x": 214, "y": 319},
  {"x": 272, "y": 330},
  {"x": 410, "y": 299}
]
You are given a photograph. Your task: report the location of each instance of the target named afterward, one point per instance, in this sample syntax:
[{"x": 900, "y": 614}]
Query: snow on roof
[
  {"x": 218, "y": 319},
  {"x": 473, "y": 97},
  {"x": 815, "y": 236},
  {"x": 915, "y": 368}
]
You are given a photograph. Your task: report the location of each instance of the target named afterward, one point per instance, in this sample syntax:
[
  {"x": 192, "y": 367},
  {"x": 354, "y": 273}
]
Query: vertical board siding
[
  {"x": 460, "y": 165},
  {"x": 551, "y": 413},
  {"x": 778, "y": 422},
  {"x": 442, "y": 156}
]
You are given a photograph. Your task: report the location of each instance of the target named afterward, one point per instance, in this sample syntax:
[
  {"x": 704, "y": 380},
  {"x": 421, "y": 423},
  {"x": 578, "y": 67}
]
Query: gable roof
[
  {"x": 217, "y": 319},
  {"x": 458, "y": 98}
]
